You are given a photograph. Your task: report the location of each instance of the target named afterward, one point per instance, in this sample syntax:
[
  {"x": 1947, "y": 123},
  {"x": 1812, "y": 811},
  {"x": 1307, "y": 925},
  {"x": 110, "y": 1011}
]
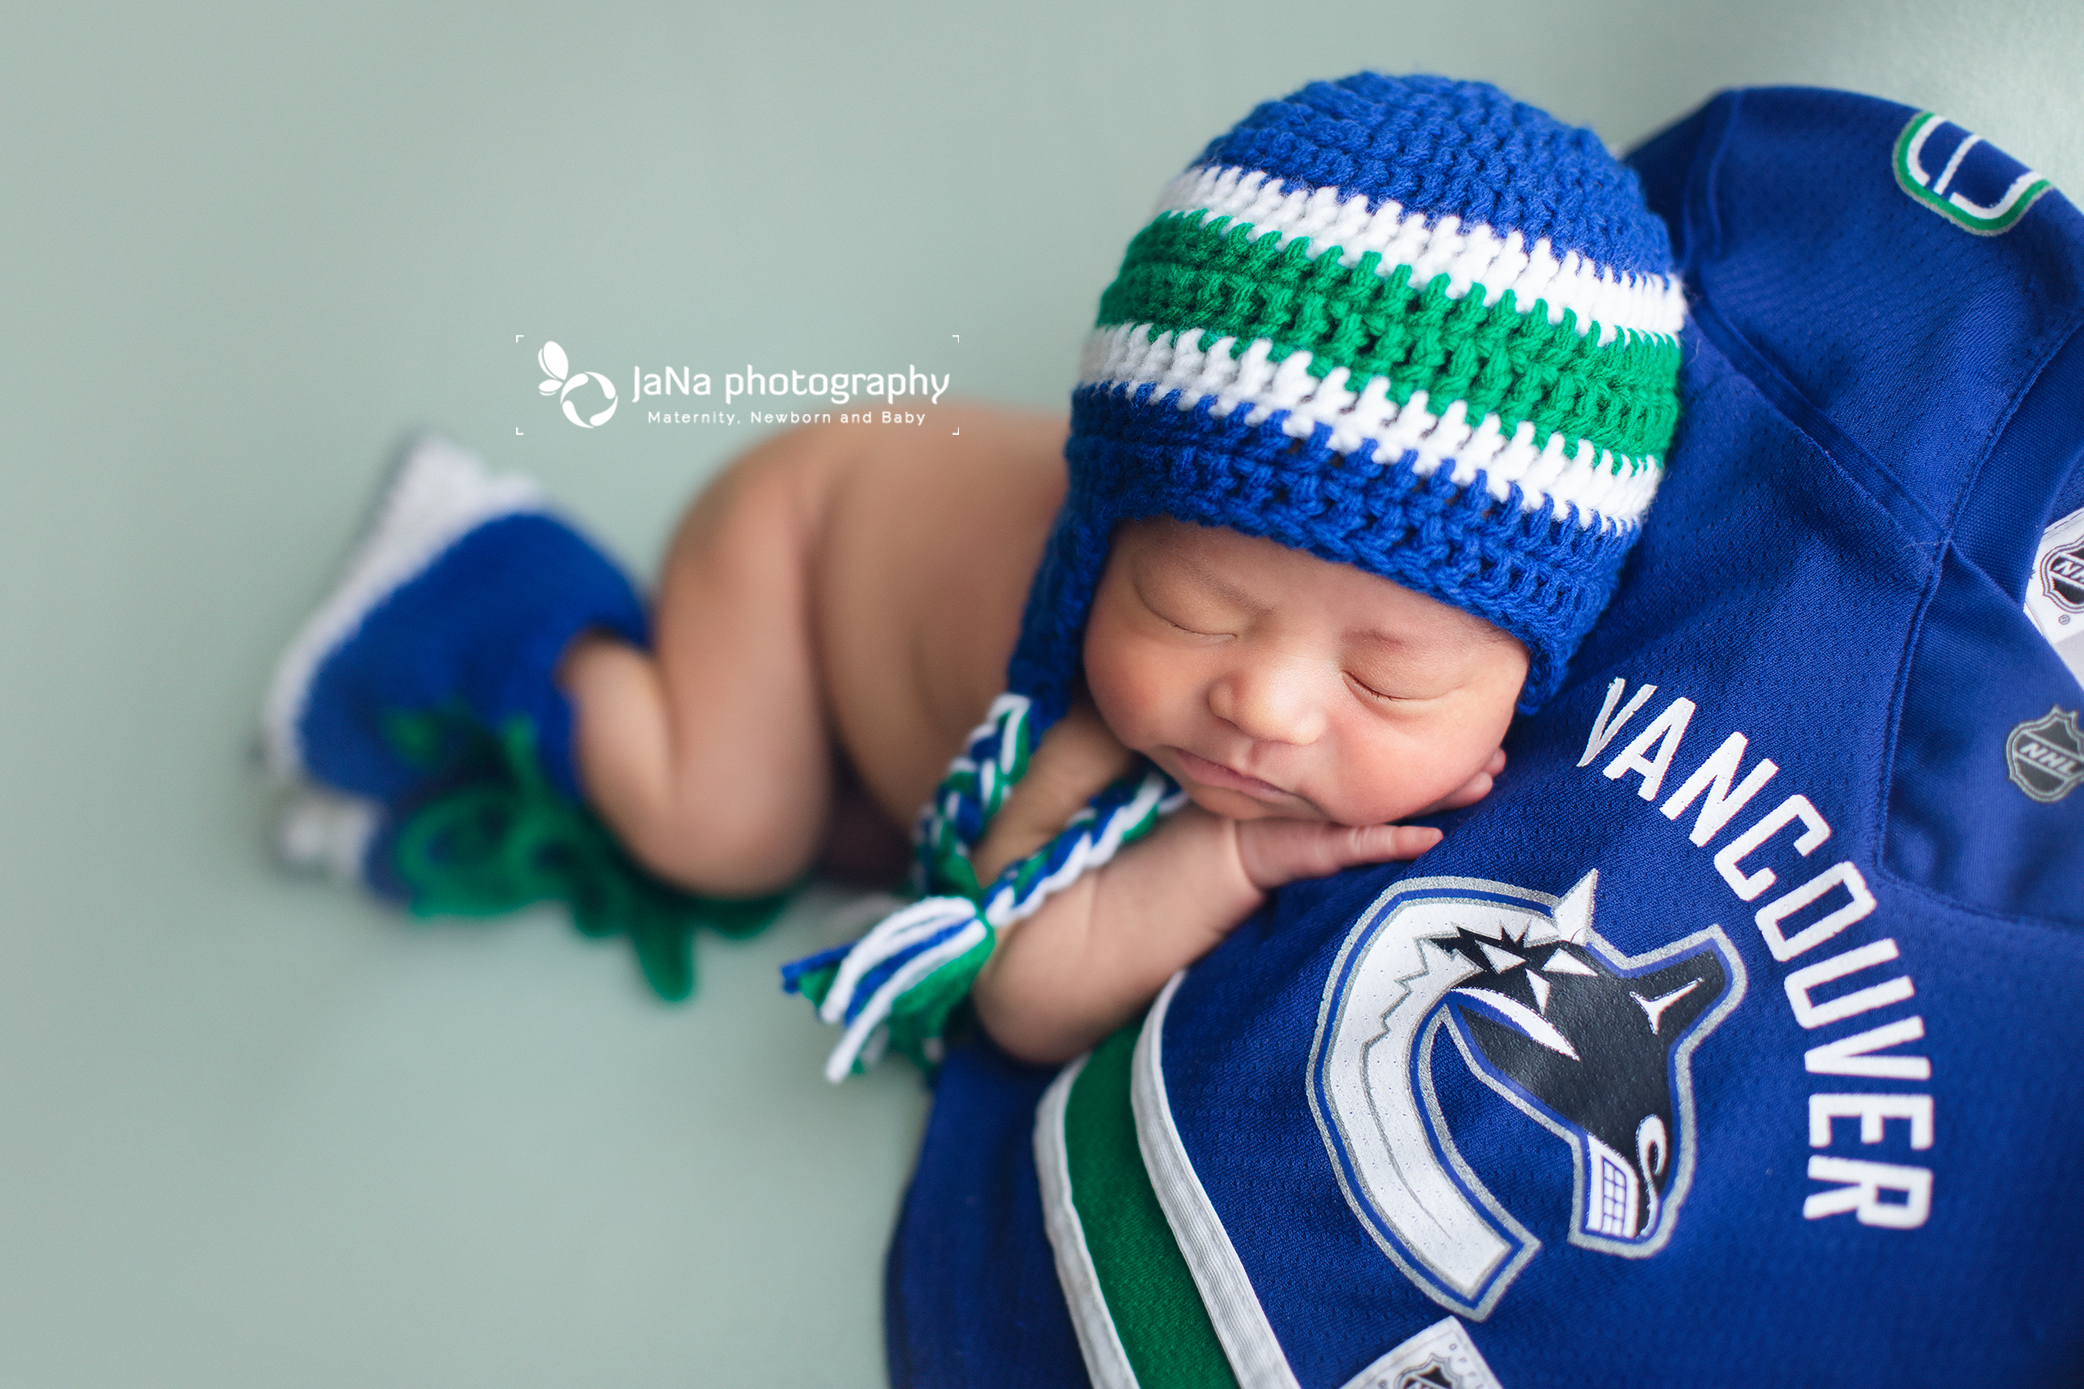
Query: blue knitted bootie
[
  {"x": 452, "y": 613},
  {"x": 417, "y": 719}
]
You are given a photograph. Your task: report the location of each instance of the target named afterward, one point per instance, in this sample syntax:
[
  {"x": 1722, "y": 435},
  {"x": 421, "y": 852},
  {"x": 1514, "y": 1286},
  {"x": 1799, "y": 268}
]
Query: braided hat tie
[{"x": 897, "y": 985}]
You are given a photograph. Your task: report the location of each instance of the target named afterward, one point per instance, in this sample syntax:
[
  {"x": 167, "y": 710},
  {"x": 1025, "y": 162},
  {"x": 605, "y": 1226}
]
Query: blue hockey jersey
[{"x": 1736, "y": 1038}]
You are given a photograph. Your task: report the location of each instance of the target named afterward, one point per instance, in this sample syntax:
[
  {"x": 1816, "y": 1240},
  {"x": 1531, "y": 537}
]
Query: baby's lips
[{"x": 1212, "y": 773}]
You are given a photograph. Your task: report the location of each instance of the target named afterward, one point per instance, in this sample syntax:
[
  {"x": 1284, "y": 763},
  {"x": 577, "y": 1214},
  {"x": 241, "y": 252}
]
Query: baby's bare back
[
  {"x": 921, "y": 544},
  {"x": 849, "y": 588}
]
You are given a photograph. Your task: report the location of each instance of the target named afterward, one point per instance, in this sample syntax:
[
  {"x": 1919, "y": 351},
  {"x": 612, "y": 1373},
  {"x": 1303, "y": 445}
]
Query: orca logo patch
[{"x": 1594, "y": 1045}]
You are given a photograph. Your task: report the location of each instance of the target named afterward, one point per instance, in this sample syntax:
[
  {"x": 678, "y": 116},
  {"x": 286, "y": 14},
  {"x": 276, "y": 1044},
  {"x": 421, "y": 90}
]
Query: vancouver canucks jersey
[{"x": 1735, "y": 1039}]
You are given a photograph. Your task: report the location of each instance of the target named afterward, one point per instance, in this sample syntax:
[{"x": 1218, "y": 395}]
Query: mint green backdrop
[{"x": 255, "y": 1131}]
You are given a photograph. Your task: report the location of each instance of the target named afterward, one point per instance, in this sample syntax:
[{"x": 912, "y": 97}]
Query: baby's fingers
[
  {"x": 1283, "y": 851},
  {"x": 1384, "y": 843}
]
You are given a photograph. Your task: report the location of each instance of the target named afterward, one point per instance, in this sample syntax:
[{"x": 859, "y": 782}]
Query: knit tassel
[{"x": 898, "y": 985}]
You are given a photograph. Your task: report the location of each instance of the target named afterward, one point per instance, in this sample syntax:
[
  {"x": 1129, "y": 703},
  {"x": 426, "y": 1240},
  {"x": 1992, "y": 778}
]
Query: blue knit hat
[{"x": 1407, "y": 324}]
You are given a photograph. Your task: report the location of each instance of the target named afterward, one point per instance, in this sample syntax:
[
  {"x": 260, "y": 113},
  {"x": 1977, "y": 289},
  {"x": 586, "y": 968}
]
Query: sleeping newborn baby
[{"x": 1368, "y": 424}]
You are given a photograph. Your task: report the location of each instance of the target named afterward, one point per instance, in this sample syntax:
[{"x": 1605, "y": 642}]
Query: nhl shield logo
[
  {"x": 2046, "y": 756},
  {"x": 2062, "y": 577},
  {"x": 1593, "y": 1045}
]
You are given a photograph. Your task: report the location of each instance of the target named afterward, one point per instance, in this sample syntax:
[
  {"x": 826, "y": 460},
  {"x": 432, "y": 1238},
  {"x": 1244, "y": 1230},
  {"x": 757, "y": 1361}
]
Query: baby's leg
[{"x": 710, "y": 756}]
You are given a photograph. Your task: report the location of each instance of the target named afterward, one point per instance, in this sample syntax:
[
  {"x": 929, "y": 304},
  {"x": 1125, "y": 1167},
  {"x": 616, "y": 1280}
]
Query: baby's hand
[{"x": 1276, "y": 852}]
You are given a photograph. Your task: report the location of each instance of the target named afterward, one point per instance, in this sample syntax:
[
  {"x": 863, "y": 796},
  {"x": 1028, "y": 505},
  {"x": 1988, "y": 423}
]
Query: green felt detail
[
  {"x": 501, "y": 838},
  {"x": 1181, "y": 273},
  {"x": 1151, "y": 1297}
]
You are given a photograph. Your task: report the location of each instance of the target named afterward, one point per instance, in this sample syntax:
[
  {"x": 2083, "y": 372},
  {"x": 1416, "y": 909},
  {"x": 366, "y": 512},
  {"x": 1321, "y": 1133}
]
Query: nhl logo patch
[
  {"x": 2062, "y": 577},
  {"x": 2046, "y": 756},
  {"x": 1440, "y": 1357}
]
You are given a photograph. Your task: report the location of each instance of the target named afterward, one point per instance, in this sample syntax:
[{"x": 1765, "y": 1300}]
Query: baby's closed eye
[
  {"x": 1180, "y": 625},
  {"x": 1404, "y": 684},
  {"x": 1186, "y": 612},
  {"x": 1366, "y": 690}
]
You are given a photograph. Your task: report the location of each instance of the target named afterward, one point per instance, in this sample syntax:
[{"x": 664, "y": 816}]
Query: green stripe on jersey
[
  {"x": 1151, "y": 1297},
  {"x": 1181, "y": 273}
]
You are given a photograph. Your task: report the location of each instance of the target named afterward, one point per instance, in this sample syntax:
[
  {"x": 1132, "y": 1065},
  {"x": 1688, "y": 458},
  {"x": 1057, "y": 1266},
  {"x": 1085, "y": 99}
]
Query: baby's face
[{"x": 1268, "y": 682}]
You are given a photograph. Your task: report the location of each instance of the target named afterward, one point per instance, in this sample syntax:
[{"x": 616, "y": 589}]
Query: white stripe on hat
[
  {"x": 1598, "y": 486},
  {"x": 1470, "y": 256}
]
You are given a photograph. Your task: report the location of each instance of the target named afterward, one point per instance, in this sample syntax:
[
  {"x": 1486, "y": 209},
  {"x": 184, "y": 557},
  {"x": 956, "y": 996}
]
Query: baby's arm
[{"x": 1101, "y": 949}]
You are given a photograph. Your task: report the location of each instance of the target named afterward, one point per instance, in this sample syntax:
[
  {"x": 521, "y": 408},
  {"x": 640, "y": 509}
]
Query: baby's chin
[{"x": 1241, "y": 805}]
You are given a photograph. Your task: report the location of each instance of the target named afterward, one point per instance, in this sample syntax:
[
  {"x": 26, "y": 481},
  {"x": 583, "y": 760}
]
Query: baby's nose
[{"x": 1268, "y": 703}]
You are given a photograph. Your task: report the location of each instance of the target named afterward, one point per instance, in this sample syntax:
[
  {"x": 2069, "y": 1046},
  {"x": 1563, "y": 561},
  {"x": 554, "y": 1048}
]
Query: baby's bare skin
[
  {"x": 856, "y": 589},
  {"x": 1300, "y": 704},
  {"x": 857, "y": 592}
]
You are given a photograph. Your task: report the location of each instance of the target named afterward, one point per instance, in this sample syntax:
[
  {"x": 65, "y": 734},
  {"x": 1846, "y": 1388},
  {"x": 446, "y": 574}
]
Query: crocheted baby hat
[{"x": 1407, "y": 324}]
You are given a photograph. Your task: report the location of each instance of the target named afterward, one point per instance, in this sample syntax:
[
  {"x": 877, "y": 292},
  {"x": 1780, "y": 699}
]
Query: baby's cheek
[
  {"x": 1395, "y": 779},
  {"x": 1138, "y": 692},
  {"x": 1118, "y": 693}
]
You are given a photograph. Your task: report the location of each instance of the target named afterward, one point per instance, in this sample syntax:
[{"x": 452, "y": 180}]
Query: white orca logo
[
  {"x": 561, "y": 383},
  {"x": 1594, "y": 1045}
]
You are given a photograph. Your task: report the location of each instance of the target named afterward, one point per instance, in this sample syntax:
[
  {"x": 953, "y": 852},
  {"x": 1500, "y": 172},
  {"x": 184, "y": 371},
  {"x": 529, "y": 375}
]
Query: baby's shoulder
[
  {"x": 989, "y": 466},
  {"x": 966, "y": 494},
  {"x": 930, "y": 539}
]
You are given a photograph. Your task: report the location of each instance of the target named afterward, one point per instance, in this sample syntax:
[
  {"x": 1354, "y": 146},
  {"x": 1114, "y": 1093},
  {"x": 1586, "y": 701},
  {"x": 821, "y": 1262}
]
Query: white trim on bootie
[
  {"x": 438, "y": 495},
  {"x": 320, "y": 830}
]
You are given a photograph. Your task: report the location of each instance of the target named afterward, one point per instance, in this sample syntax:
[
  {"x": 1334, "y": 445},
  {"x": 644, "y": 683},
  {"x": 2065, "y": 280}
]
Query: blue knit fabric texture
[
  {"x": 1439, "y": 147},
  {"x": 1442, "y": 147},
  {"x": 1541, "y": 577},
  {"x": 478, "y": 632}
]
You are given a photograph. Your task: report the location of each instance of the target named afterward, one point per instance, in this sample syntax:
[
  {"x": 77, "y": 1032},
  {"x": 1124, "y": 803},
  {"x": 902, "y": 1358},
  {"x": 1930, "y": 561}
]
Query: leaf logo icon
[
  {"x": 555, "y": 365},
  {"x": 561, "y": 382}
]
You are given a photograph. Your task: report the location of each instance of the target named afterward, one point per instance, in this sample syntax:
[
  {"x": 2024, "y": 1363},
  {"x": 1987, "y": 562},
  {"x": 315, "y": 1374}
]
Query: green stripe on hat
[{"x": 1183, "y": 273}]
